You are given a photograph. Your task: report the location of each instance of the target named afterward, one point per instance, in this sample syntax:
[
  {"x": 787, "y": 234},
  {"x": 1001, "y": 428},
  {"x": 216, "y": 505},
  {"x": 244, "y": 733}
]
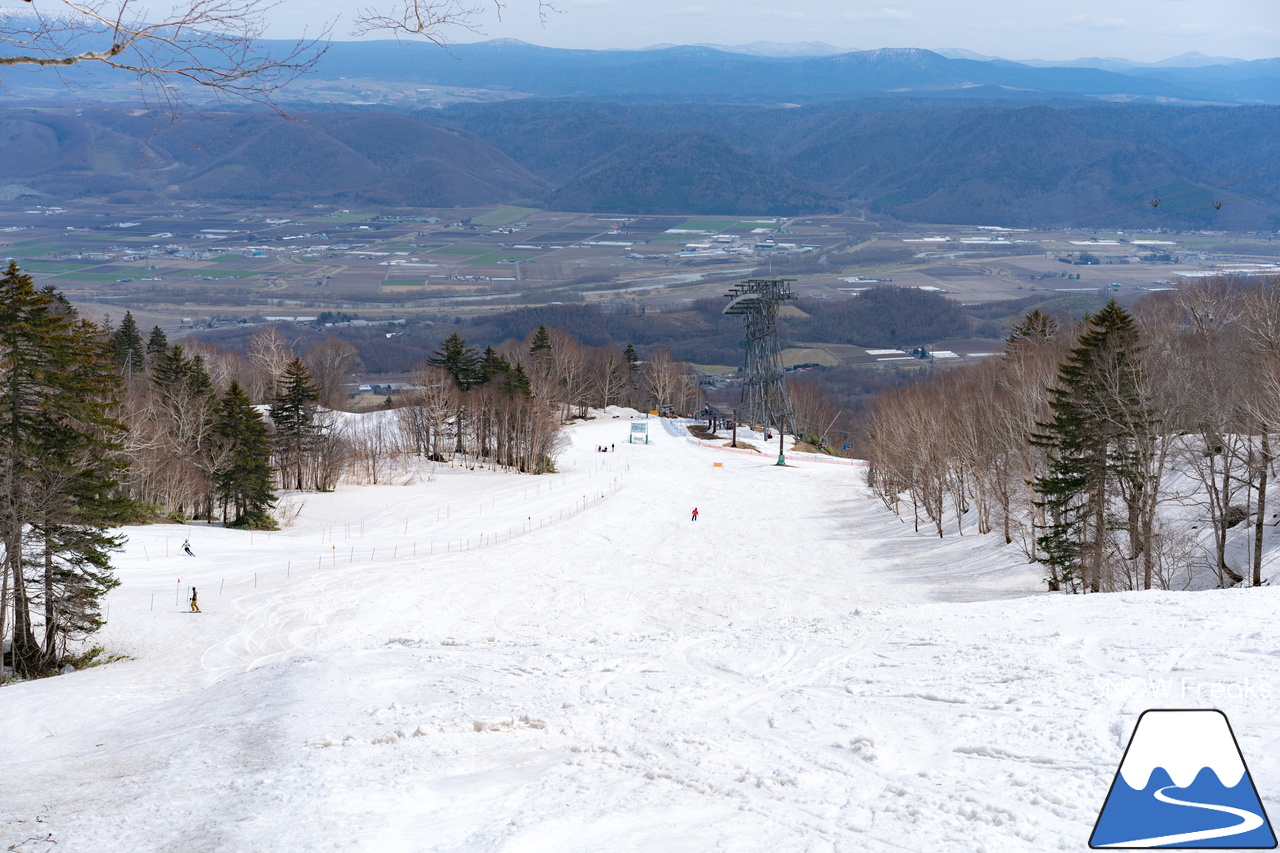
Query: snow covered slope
[{"x": 476, "y": 661}]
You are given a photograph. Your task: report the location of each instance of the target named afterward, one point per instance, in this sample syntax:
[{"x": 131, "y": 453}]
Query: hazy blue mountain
[
  {"x": 696, "y": 72},
  {"x": 770, "y": 48},
  {"x": 755, "y": 73},
  {"x": 1192, "y": 59}
]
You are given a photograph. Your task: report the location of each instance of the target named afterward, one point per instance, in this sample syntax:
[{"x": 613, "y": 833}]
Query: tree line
[{"x": 1101, "y": 447}]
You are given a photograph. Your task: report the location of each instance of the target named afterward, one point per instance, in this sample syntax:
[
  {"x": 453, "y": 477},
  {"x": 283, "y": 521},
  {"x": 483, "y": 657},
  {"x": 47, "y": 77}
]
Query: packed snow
[{"x": 468, "y": 660}]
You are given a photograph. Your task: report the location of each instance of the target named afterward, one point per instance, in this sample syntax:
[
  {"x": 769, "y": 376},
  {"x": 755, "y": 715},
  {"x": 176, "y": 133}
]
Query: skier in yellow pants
[{"x": 195, "y": 606}]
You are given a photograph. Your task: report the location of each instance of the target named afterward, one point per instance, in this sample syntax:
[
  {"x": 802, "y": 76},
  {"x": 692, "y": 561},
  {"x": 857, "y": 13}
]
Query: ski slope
[{"x": 477, "y": 661}]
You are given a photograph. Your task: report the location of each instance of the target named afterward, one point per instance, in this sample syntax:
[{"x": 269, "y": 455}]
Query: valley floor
[{"x": 476, "y": 661}]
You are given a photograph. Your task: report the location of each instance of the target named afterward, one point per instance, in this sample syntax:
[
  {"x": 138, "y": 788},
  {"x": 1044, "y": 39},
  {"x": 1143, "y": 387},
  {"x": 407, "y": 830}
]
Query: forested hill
[
  {"x": 938, "y": 162},
  {"x": 353, "y": 156},
  {"x": 996, "y": 163}
]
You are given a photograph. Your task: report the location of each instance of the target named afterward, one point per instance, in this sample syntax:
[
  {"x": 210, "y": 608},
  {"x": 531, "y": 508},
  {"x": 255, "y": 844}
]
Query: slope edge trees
[
  {"x": 504, "y": 407},
  {"x": 1098, "y": 443},
  {"x": 501, "y": 408},
  {"x": 1065, "y": 444},
  {"x": 60, "y": 457}
]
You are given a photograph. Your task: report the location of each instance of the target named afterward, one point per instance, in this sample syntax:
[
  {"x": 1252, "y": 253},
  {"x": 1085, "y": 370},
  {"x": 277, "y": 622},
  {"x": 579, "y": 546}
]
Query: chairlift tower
[{"x": 764, "y": 389}]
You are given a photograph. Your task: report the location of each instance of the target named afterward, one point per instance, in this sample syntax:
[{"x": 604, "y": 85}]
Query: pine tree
[
  {"x": 243, "y": 477},
  {"x": 541, "y": 341},
  {"x": 59, "y": 465},
  {"x": 493, "y": 368},
  {"x": 157, "y": 343},
  {"x": 197, "y": 377},
  {"x": 127, "y": 348},
  {"x": 1035, "y": 326},
  {"x": 1097, "y": 444},
  {"x": 516, "y": 382},
  {"x": 293, "y": 414},
  {"x": 460, "y": 360},
  {"x": 633, "y": 372}
]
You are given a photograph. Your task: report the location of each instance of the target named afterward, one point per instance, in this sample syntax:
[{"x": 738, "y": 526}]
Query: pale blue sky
[{"x": 1143, "y": 30}]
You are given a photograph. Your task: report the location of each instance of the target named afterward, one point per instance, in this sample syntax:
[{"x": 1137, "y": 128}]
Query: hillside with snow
[{"x": 466, "y": 660}]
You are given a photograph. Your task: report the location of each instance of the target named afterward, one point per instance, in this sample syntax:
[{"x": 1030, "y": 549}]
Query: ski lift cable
[
  {"x": 1149, "y": 207},
  {"x": 1218, "y": 204}
]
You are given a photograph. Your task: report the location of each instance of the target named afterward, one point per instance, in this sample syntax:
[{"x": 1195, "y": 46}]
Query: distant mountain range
[
  {"x": 1192, "y": 59},
  {"x": 770, "y": 48},
  {"x": 760, "y": 74},
  {"x": 907, "y": 133}
]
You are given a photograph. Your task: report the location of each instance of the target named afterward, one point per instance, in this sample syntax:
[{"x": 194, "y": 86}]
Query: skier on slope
[
  {"x": 195, "y": 605},
  {"x": 695, "y": 514},
  {"x": 186, "y": 546}
]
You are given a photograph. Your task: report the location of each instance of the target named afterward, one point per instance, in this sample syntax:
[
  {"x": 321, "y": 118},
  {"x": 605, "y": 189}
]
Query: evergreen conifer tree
[
  {"x": 460, "y": 360},
  {"x": 157, "y": 343},
  {"x": 243, "y": 477},
  {"x": 59, "y": 465},
  {"x": 492, "y": 368},
  {"x": 1096, "y": 441},
  {"x": 127, "y": 347},
  {"x": 516, "y": 382},
  {"x": 633, "y": 372},
  {"x": 1033, "y": 327},
  {"x": 541, "y": 341},
  {"x": 293, "y": 414}
]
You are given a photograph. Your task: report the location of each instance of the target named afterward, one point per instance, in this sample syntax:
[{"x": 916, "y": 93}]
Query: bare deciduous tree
[
  {"x": 209, "y": 45},
  {"x": 430, "y": 19},
  {"x": 664, "y": 376},
  {"x": 333, "y": 363},
  {"x": 269, "y": 354},
  {"x": 214, "y": 47}
]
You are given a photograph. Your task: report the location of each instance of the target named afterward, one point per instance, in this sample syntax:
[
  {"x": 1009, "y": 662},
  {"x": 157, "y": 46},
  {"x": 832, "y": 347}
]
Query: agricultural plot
[
  {"x": 468, "y": 249},
  {"x": 307, "y": 258},
  {"x": 342, "y": 217},
  {"x": 706, "y": 224},
  {"x": 504, "y": 216},
  {"x": 793, "y": 356},
  {"x": 501, "y": 258}
]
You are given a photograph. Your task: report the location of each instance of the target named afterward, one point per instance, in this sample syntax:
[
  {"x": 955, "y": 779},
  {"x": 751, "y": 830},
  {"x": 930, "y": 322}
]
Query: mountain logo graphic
[{"x": 1183, "y": 783}]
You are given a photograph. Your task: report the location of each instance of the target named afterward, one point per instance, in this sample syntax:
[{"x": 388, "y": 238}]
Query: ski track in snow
[{"x": 798, "y": 670}]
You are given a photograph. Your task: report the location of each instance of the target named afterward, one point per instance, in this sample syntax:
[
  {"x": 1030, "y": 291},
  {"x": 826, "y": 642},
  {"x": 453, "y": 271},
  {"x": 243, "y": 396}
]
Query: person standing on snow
[
  {"x": 195, "y": 605},
  {"x": 695, "y": 514}
]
